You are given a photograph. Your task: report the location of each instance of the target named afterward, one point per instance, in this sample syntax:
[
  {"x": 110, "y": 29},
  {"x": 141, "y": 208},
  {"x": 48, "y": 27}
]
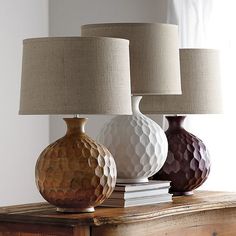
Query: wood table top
[{"x": 44, "y": 213}]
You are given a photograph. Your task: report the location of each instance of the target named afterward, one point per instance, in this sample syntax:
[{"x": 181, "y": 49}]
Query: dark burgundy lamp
[{"x": 188, "y": 164}]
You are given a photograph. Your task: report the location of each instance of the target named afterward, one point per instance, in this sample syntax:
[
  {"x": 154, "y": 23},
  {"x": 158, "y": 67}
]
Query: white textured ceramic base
[{"x": 137, "y": 143}]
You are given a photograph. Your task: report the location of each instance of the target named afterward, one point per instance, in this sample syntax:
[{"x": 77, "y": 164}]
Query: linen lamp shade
[
  {"x": 154, "y": 54},
  {"x": 200, "y": 74},
  {"x": 75, "y": 75}
]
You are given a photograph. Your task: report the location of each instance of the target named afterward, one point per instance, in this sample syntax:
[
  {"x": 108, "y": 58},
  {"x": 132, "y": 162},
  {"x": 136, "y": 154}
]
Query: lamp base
[
  {"x": 75, "y": 210},
  {"x": 138, "y": 144},
  {"x": 132, "y": 181},
  {"x": 75, "y": 173},
  {"x": 188, "y": 163}
]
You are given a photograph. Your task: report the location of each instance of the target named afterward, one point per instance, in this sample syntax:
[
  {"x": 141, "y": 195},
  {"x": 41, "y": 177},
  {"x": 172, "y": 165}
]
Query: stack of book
[{"x": 128, "y": 195}]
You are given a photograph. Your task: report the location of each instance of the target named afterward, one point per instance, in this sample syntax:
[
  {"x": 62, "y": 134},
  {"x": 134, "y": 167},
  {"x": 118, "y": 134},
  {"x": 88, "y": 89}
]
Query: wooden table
[{"x": 205, "y": 214}]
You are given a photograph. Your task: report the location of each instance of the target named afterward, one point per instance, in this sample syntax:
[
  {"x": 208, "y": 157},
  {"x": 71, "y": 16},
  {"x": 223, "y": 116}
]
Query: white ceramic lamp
[{"x": 137, "y": 143}]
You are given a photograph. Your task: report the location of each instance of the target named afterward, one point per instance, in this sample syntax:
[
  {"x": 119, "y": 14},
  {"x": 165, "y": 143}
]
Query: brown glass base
[
  {"x": 87, "y": 182},
  {"x": 75, "y": 210}
]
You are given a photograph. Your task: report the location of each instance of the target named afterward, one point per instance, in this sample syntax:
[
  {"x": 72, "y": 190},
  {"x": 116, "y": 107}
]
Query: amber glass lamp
[
  {"x": 188, "y": 160},
  {"x": 75, "y": 75}
]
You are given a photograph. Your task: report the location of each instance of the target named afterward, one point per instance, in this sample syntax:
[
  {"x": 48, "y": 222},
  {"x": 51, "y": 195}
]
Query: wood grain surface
[
  {"x": 207, "y": 223},
  {"x": 43, "y": 213},
  {"x": 203, "y": 214}
]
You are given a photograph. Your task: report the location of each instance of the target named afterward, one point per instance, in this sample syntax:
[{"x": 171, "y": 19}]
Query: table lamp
[
  {"x": 188, "y": 164},
  {"x": 75, "y": 75},
  {"x": 137, "y": 143}
]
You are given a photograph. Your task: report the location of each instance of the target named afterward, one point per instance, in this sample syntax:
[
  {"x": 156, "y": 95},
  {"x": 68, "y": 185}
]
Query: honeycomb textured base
[
  {"x": 188, "y": 163},
  {"x": 75, "y": 172},
  {"x": 137, "y": 143}
]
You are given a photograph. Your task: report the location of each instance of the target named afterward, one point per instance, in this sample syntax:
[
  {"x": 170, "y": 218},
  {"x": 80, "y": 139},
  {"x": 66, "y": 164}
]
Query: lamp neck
[
  {"x": 135, "y": 104},
  {"x": 175, "y": 122},
  {"x": 75, "y": 125}
]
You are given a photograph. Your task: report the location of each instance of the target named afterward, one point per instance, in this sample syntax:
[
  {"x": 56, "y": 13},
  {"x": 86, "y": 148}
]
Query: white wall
[
  {"x": 66, "y": 17},
  {"x": 21, "y": 137}
]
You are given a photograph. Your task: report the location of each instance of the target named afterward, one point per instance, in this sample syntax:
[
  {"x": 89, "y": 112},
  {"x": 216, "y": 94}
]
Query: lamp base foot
[
  {"x": 189, "y": 193},
  {"x": 75, "y": 210}
]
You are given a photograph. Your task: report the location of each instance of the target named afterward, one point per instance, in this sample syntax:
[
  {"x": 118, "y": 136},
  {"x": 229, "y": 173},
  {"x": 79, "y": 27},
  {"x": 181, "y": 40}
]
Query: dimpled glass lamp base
[
  {"x": 75, "y": 173},
  {"x": 137, "y": 143},
  {"x": 188, "y": 163},
  {"x": 75, "y": 75}
]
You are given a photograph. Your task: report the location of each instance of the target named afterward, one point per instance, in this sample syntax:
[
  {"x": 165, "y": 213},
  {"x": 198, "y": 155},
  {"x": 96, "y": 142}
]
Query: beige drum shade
[
  {"x": 154, "y": 54},
  {"x": 75, "y": 75},
  {"x": 200, "y": 74}
]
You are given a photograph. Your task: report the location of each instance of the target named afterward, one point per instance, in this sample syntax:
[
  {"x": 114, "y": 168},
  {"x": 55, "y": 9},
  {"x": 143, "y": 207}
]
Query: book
[
  {"x": 112, "y": 202},
  {"x": 152, "y": 184},
  {"x": 137, "y": 194}
]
